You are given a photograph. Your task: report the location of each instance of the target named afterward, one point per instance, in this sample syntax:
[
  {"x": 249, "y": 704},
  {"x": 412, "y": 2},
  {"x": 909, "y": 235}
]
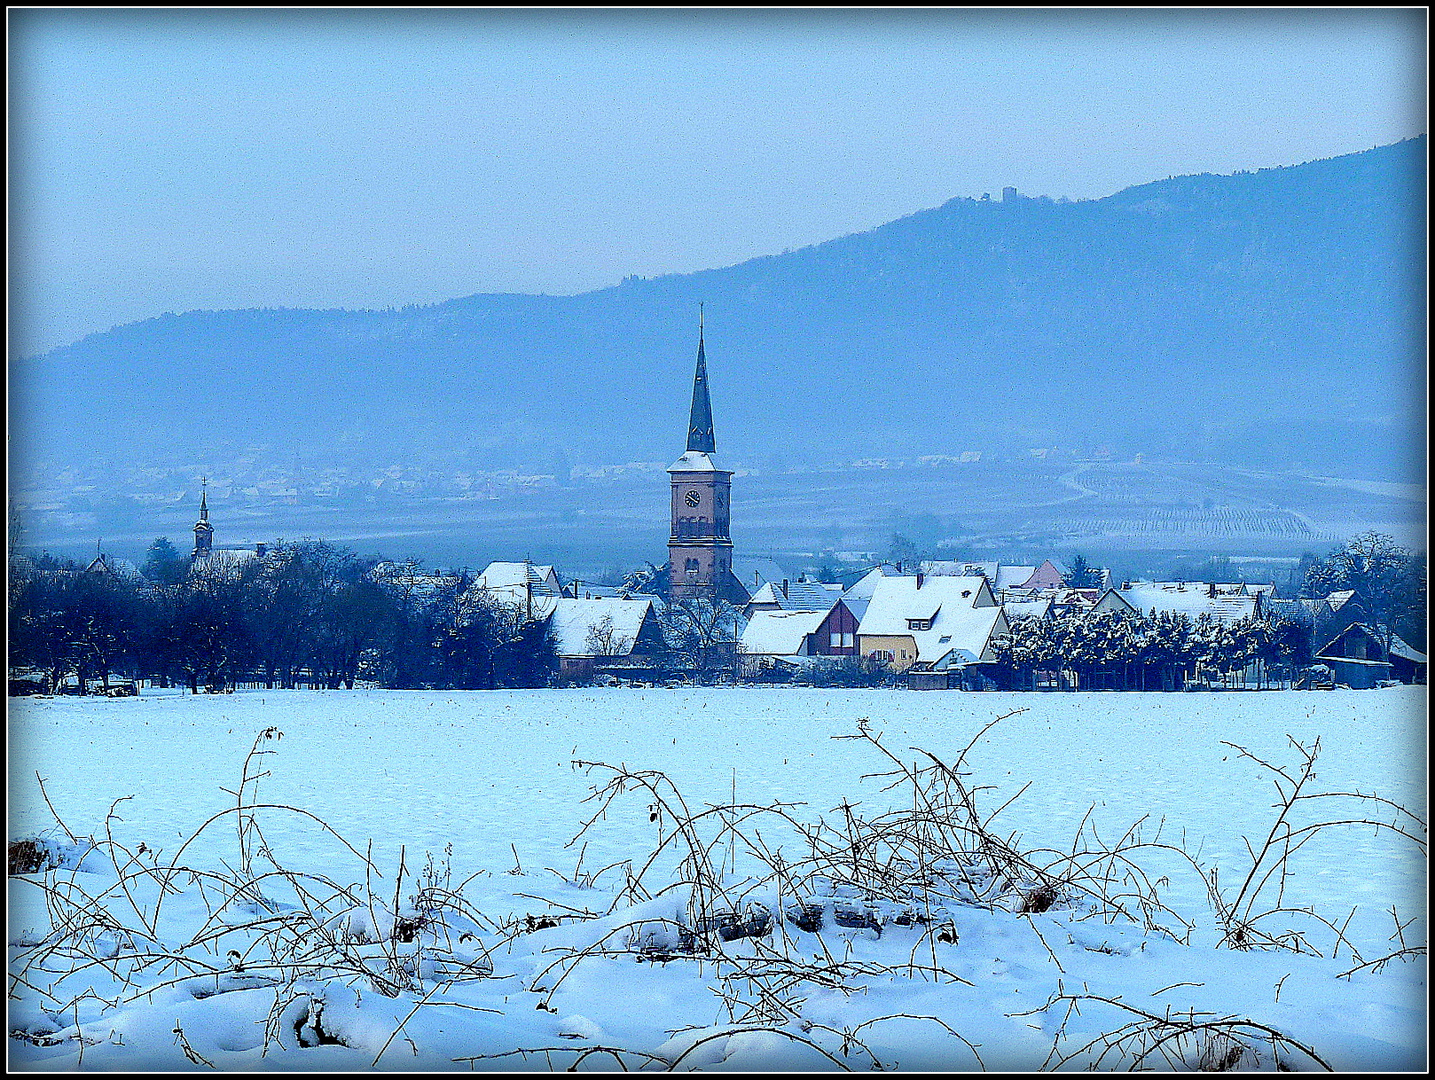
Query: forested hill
[{"x": 1274, "y": 318}]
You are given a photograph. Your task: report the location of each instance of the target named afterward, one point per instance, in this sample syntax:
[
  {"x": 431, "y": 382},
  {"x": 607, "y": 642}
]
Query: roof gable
[
  {"x": 962, "y": 611},
  {"x": 599, "y": 625},
  {"x": 780, "y": 633}
]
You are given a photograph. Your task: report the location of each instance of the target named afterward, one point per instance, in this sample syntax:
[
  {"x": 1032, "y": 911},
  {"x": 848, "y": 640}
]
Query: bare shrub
[
  {"x": 1185, "y": 1041},
  {"x": 265, "y": 925}
]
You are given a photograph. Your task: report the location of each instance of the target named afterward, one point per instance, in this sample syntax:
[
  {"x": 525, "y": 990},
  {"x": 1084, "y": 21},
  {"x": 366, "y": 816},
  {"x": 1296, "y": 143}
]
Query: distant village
[{"x": 311, "y": 614}]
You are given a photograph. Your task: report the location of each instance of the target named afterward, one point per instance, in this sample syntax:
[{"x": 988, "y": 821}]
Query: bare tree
[
  {"x": 605, "y": 640},
  {"x": 702, "y": 633}
]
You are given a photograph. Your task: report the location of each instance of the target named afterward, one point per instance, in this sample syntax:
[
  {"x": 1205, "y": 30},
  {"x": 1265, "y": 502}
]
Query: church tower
[
  {"x": 203, "y": 530},
  {"x": 699, "y": 544}
]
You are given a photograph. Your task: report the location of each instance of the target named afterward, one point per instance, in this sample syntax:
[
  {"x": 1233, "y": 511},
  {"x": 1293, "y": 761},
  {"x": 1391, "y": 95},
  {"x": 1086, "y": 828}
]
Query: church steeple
[
  {"x": 700, "y": 420},
  {"x": 700, "y": 544},
  {"x": 203, "y": 530}
]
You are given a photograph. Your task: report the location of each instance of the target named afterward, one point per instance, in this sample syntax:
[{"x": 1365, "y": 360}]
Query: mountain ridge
[{"x": 1261, "y": 317}]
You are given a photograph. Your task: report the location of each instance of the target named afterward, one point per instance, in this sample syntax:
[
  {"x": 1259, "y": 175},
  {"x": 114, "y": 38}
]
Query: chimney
[
  {"x": 1211, "y": 589},
  {"x": 784, "y": 588},
  {"x": 920, "y": 576}
]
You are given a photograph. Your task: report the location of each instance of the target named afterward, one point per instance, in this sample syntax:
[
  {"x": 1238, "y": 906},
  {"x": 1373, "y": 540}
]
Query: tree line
[
  {"x": 1164, "y": 650},
  {"x": 308, "y": 613}
]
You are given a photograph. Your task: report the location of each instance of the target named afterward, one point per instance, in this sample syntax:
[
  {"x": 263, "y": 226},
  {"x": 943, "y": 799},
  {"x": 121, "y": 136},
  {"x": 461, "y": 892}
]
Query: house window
[
  {"x": 919, "y": 624},
  {"x": 836, "y": 640},
  {"x": 849, "y": 641},
  {"x": 691, "y": 566}
]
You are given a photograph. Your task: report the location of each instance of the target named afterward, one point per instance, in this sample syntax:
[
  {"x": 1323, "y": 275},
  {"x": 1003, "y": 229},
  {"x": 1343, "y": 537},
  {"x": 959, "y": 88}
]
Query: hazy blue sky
[{"x": 173, "y": 159}]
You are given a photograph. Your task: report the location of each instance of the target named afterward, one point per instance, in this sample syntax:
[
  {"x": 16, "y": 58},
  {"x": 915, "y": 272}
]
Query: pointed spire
[
  {"x": 204, "y": 499},
  {"x": 700, "y": 420}
]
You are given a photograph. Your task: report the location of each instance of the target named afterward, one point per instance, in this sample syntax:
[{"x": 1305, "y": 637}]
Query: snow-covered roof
[
  {"x": 695, "y": 461},
  {"x": 1192, "y": 598},
  {"x": 1300, "y": 608},
  {"x": 1110, "y": 600},
  {"x": 1038, "y": 607},
  {"x": 1011, "y": 577},
  {"x": 959, "y": 568},
  {"x": 1398, "y": 645},
  {"x": 587, "y": 590},
  {"x": 517, "y": 582},
  {"x": 121, "y": 568},
  {"x": 962, "y": 611},
  {"x": 599, "y": 625},
  {"x": 1403, "y": 649},
  {"x": 798, "y": 595},
  {"x": 411, "y": 579},
  {"x": 858, "y": 606},
  {"x": 779, "y": 633},
  {"x": 863, "y": 587},
  {"x": 1354, "y": 660}
]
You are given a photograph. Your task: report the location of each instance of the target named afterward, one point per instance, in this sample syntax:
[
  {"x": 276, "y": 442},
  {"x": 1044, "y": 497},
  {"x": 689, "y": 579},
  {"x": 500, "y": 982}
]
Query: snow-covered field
[{"x": 482, "y": 789}]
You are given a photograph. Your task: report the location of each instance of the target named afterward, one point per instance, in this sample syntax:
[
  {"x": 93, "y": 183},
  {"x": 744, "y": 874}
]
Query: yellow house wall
[{"x": 903, "y": 648}]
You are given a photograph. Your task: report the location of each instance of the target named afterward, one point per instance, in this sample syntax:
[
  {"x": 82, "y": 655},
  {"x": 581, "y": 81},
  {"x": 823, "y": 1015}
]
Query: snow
[
  {"x": 1190, "y": 598},
  {"x": 797, "y": 596},
  {"x": 780, "y": 633},
  {"x": 575, "y": 620},
  {"x": 519, "y": 583},
  {"x": 962, "y": 615},
  {"x": 484, "y": 784},
  {"x": 695, "y": 461}
]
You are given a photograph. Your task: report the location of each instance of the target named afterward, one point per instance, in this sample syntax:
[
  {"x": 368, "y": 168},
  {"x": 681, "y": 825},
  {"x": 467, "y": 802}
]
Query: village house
[
  {"x": 1002, "y": 577},
  {"x": 773, "y": 637},
  {"x": 119, "y": 569},
  {"x": 931, "y": 623},
  {"x": 1033, "y": 604},
  {"x": 799, "y": 595},
  {"x": 533, "y": 588},
  {"x": 1359, "y": 659},
  {"x": 1323, "y": 617},
  {"x": 1223, "y": 603},
  {"x": 604, "y": 631},
  {"x": 801, "y": 631}
]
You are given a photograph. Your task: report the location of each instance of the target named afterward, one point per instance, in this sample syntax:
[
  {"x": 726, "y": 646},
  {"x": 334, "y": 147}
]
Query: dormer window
[{"x": 919, "y": 624}]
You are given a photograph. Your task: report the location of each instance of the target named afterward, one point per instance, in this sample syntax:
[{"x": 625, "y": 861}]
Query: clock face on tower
[{"x": 692, "y": 498}]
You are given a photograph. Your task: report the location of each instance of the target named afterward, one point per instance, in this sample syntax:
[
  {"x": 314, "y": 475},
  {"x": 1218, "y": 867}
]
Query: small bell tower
[{"x": 203, "y": 530}]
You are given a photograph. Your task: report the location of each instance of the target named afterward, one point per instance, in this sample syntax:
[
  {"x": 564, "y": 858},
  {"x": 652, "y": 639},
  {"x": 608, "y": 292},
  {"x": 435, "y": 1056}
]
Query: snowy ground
[{"x": 481, "y": 789}]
